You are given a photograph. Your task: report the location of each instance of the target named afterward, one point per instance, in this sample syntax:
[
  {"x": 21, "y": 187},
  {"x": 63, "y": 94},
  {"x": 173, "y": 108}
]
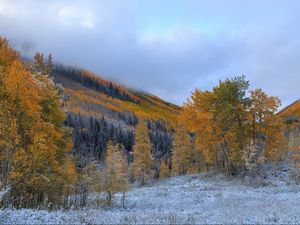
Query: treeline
[
  {"x": 91, "y": 81},
  {"x": 91, "y": 135}
]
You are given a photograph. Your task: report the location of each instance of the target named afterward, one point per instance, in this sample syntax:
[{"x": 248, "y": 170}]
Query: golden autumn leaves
[
  {"x": 226, "y": 120},
  {"x": 225, "y": 128},
  {"x": 34, "y": 146}
]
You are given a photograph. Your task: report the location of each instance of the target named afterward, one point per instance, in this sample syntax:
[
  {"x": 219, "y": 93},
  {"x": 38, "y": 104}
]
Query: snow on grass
[{"x": 193, "y": 199}]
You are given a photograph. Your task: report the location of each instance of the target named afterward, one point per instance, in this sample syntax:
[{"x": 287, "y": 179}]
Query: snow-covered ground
[{"x": 194, "y": 199}]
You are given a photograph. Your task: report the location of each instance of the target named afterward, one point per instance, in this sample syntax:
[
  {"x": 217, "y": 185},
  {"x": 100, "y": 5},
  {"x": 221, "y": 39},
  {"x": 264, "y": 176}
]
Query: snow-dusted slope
[{"x": 194, "y": 199}]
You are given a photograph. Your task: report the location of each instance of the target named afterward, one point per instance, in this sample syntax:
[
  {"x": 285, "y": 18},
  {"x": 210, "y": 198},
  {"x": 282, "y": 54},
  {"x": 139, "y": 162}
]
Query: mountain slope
[
  {"x": 83, "y": 86},
  {"x": 292, "y": 110},
  {"x": 99, "y": 111},
  {"x": 291, "y": 116}
]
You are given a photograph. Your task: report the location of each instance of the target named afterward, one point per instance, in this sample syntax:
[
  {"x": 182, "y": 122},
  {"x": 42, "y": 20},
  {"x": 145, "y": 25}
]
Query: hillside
[
  {"x": 99, "y": 110},
  {"x": 104, "y": 96},
  {"x": 291, "y": 116},
  {"x": 292, "y": 110}
]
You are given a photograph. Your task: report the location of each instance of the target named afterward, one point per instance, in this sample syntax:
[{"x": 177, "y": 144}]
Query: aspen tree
[
  {"x": 116, "y": 177},
  {"x": 181, "y": 155},
  {"x": 143, "y": 160}
]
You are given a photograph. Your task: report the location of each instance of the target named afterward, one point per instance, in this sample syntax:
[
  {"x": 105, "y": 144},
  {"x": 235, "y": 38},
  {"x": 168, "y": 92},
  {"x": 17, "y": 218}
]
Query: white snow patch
[{"x": 192, "y": 199}]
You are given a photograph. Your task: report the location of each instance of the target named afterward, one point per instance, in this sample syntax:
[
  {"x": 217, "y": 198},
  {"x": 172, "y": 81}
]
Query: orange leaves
[
  {"x": 143, "y": 161},
  {"x": 182, "y": 151},
  {"x": 22, "y": 87},
  {"x": 7, "y": 55},
  {"x": 291, "y": 110},
  {"x": 225, "y": 120},
  {"x": 196, "y": 112},
  {"x": 90, "y": 95},
  {"x": 16, "y": 175},
  {"x": 89, "y": 102},
  {"x": 33, "y": 143},
  {"x": 262, "y": 103},
  {"x": 197, "y": 116},
  {"x": 263, "y": 121},
  {"x": 291, "y": 115},
  {"x": 164, "y": 171}
]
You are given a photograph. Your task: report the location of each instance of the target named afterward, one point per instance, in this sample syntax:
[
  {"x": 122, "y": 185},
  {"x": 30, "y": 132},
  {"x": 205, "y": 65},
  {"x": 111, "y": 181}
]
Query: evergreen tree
[
  {"x": 39, "y": 65},
  {"x": 50, "y": 64}
]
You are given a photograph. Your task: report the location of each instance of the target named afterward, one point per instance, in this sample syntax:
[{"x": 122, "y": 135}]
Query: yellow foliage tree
[
  {"x": 182, "y": 149},
  {"x": 33, "y": 143},
  {"x": 197, "y": 115},
  {"x": 116, "y": 173},
  {"x": 143, "y": 160},
  {"x": 164, "y": 170},
  {"x": 225, "y": 121}
]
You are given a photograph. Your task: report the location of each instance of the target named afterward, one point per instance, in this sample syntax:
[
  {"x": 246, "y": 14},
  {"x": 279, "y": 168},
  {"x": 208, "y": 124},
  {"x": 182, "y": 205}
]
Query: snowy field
[{"x": 194, "y": 199}]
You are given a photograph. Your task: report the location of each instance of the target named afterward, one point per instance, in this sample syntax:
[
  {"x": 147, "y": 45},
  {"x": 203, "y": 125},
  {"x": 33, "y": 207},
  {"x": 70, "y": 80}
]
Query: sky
[{"x": 165, "y": 47}]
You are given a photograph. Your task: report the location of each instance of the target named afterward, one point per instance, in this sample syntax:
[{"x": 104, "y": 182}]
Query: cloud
[
  {"x": 165, "y": 47},
  {"x": 76, "y": 15}
]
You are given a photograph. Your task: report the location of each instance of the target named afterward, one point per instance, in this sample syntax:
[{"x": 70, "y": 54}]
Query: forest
[{"x": 66, "y": 133}]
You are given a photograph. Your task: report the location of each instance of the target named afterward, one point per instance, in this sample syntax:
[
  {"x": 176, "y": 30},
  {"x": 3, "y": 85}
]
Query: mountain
[
  {"x": 99, "y": 110},
  {"x": 291, "y": 116},
  {"x": 291, "y": 112},
  {"x": 103, "y": 96}
]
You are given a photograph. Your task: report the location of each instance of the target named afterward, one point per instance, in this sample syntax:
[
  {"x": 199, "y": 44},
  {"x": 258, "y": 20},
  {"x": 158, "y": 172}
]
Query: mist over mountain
[{"x": 166, "y": 48}]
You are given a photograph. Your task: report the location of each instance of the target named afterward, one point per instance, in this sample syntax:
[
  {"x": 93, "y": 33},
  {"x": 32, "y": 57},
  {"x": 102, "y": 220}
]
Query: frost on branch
[{"x": 253, "y": 157}]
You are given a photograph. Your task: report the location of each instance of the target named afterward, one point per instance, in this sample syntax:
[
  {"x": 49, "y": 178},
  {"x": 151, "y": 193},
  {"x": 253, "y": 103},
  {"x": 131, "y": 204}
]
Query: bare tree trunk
[
  {"x": 123, "y": 198},
  {"x": 226, "y": 159}
]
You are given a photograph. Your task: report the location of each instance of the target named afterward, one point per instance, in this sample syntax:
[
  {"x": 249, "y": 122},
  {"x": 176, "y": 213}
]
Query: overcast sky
[{"x": 166, "y": 47}]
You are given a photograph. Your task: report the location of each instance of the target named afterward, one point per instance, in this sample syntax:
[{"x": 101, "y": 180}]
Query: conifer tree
[
  {"x": 50, "y": 64},
  {"x": 39, "y": 64}
]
